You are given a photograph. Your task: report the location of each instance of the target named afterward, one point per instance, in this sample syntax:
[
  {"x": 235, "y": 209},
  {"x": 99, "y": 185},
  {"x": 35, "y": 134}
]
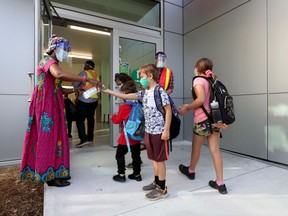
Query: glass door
[{"x": 130, "y": 52}]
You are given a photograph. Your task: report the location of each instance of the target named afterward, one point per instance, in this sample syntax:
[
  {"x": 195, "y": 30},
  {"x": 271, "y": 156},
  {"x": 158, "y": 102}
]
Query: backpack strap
[{"x": 159, "y": 105}]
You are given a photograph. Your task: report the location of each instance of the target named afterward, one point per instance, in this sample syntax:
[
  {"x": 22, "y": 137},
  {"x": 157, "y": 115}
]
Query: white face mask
[
  {"x": 61, "y": 54},
  {"x": 195, "y": 72}
]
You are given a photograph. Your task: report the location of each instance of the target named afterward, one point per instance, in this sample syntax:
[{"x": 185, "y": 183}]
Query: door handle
[{"x": 31, "y": 84}]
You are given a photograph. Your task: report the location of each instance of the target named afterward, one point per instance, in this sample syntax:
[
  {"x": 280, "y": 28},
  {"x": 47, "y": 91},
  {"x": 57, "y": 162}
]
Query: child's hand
[
  {"x": 165, "y": 135},
  {"x": 183, "y": 109},
  {"x": 104, "y": 89},
  {"x": 221, "y": 126}
]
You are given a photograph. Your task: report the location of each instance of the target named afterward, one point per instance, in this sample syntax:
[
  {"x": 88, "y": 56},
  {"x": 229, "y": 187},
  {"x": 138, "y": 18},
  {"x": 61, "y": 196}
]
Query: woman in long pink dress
[{"x": 46, "y": 148}]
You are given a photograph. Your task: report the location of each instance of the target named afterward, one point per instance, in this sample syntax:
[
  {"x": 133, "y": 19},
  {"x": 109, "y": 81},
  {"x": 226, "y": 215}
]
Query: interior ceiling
[
  {"x": 86, "y": 43},
  {"x": 132, "y": 10}
]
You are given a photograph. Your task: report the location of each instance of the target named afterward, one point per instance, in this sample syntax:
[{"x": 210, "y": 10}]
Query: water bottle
[
  {"x": 88, "y": 93},
  {"x": 216, "y": 113}
]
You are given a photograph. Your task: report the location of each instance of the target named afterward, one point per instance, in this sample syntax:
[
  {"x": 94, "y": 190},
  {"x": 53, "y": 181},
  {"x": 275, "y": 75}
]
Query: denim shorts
[{"x": 204, "y": 128}]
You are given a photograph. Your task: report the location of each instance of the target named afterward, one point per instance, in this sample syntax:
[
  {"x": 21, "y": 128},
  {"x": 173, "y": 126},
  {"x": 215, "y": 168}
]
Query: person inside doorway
[
  {"x": 166, "y": 77},
  {"x": 85, "y": 108}
]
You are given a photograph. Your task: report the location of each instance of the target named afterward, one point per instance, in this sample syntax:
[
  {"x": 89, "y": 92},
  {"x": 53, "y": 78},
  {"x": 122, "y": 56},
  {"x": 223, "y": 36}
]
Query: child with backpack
[
  {"x": 203, "y": 127},
  {"x": 122, "y": 148},
  {"x": 156, "y": 128}
]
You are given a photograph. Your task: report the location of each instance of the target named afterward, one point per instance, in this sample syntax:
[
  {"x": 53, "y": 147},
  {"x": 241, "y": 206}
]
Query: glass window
[{"x": 143, "y": 12}]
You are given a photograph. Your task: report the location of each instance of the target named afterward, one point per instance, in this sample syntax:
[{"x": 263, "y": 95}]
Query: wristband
[{"x": 84, "y": 79}]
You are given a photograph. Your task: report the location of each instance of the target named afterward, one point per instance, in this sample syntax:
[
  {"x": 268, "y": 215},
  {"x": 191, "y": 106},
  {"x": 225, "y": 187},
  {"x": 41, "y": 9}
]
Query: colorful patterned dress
[{"x": 46, "y": 147}]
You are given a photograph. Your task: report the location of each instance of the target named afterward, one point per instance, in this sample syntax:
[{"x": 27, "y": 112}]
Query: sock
[
  {"x": 162, "y": 184},
  {"x": 121, "y": 175},
  {"x": 219, "y": 183},
  {"x": 190, "y": 170},
  {"x": 156, "y": 180}
]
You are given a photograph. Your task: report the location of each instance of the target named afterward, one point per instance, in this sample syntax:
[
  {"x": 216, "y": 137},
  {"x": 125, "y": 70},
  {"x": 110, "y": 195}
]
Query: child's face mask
[{"x": 144, "y": 82}]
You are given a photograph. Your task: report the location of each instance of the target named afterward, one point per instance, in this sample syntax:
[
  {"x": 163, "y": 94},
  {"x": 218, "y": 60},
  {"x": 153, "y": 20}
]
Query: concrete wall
[
  {"x": 173, "y": 47},
  {"x": 17, "y": 59},
  {"x": 247, "y": 42}
]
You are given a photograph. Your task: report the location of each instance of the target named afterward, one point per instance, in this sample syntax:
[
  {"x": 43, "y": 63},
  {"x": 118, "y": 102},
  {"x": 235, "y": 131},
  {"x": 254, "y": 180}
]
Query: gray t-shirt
[{"x": 154, "y": 119}]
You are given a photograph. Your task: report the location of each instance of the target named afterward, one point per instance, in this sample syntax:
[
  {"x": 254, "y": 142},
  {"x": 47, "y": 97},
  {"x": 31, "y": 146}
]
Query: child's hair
[
  {"x": 123, "y": 77},
  {"x": 128, "y": 87},
  {"x": 152, "y": 69},
  {"x": 205, "y": 65}
]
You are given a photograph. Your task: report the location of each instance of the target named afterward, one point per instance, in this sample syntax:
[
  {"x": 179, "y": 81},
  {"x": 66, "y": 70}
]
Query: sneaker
[
  {"x": 185, "y": 170},
  {"x": 79, "y": 145},
  {"x": 222, "y": 188},
  {"x": 156, "y": 194},
  {"x": 130, "y": 165},
  {"x": 119, "y": 178},
  {"x": 150, "y": 187},
  {"x": 135, "y": 177}
]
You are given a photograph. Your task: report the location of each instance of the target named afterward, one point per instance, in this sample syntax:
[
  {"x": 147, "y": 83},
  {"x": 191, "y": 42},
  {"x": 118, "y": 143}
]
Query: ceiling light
[
  {"x": 89, "y": 30},
  {"x": 77, "y": 56},
  {"x": 80, "y": 56}
]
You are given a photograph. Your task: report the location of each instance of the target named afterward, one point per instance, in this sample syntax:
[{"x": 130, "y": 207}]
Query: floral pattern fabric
[
  {"x": 154, "y": 119},
  {"x": 46, "y": 147}
]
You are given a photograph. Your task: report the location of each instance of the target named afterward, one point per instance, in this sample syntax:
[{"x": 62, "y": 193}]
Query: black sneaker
[
  {"x": 119, "y": 178},
  {"x": 222, "y": 188},
  {"x": 79, "y": 145},
  {"x": 185, "y": 170},
  {"x": 135, "y": 177}
]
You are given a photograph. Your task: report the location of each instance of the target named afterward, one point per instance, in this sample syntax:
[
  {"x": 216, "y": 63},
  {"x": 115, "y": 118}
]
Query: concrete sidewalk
[{"x": 254, "y": 187}]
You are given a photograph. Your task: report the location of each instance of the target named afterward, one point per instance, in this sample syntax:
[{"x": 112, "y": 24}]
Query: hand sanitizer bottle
[{"x": 88, "y": 93}]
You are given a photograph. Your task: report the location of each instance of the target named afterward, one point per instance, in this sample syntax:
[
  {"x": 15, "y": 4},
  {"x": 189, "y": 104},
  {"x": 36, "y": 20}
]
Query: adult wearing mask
[
  {"x": 45, "y": 155},
  {"x": 86, "y": 107},
  {"x": 166, "y": 77}
]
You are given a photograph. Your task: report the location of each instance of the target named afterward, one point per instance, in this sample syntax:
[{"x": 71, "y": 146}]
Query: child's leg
[
  {"x": 136, "y": 158},
  {"x": 213, "y": 142},
  {"x": 120, "y": 157},
  {"x": 196, "y": 150}
]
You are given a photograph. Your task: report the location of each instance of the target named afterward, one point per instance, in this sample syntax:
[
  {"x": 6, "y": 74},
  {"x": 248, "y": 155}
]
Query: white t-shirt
[{"x": 154, "y": 119}]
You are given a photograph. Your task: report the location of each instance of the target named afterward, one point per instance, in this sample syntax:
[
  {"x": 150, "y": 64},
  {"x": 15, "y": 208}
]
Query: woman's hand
[{"x": 183, "y": 109}]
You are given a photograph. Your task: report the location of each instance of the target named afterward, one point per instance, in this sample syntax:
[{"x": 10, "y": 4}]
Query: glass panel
[
  {"x": 144, "y": 12},
  {"x": 133, "y": 54}
]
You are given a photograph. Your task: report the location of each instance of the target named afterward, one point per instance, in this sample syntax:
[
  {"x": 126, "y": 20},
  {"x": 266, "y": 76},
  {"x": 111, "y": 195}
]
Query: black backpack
[
  {"x": 175, "y": 121},
  {"x": 220, "y": 94}
]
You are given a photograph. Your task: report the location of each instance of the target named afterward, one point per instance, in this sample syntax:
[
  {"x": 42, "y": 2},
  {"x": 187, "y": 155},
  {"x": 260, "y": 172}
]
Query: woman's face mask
[
  {"x": 144, "y": 82},
  {"x": 62, "y": 50}
]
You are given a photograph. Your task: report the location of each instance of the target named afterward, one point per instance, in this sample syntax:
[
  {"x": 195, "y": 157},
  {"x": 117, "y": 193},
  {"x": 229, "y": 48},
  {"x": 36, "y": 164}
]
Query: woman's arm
[
  {"x": 200, "y": 93},
  {"x": 56, "y": 71},
  {"x": 131, "y": 96}
]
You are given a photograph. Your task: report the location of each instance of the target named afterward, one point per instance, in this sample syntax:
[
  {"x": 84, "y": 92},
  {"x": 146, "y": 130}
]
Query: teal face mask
[{"x": 144, "y": 82}]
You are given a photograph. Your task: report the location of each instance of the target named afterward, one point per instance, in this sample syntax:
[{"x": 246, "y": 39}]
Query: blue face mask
[
  {"x": 61, "y": 55},
  {"x": 144, "y": 82}
]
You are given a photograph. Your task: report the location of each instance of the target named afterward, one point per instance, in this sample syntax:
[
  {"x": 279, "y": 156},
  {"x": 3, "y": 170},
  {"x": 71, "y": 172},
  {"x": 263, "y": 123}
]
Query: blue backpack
[{"x": 135, "y": 127}]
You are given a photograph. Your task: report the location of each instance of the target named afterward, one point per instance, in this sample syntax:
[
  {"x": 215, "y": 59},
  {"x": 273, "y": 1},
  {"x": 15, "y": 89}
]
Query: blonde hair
[{"x": 150, "y": 69}]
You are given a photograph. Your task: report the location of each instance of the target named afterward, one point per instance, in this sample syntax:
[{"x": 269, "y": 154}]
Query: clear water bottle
[
  {"x": 216, "y": 113},
  {"x": 88, "y": 93}
]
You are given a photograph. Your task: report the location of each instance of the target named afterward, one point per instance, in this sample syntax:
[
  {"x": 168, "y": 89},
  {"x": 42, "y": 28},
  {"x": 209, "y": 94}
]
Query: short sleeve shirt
[
  {"x": 154, "y": 119},
  {"x": 199, "y": 115}
]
